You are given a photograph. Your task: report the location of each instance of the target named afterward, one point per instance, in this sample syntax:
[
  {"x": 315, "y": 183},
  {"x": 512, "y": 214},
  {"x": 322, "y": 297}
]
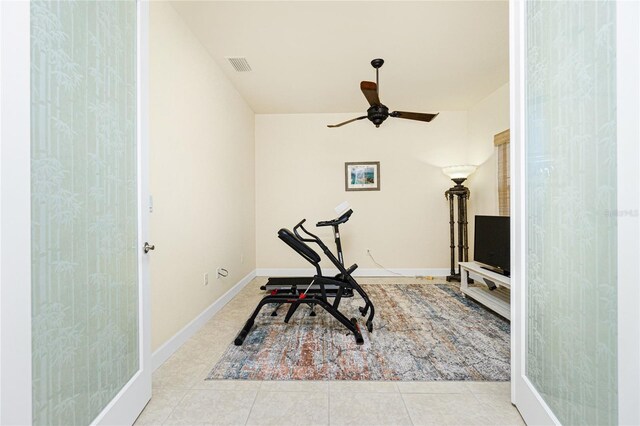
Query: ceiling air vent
[{"x": 240, "y": 64}]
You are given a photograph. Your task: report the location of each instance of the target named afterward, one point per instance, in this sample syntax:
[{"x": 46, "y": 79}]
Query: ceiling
[{"x": 310, "y": 56}]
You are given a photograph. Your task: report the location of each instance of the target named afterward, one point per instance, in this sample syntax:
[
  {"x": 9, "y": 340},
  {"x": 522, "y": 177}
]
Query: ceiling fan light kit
[{"x": 378, "y": 112}]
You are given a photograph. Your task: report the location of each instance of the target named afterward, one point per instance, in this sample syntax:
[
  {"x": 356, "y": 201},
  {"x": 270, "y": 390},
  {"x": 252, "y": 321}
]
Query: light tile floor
[{"x": 181, "y": 396}]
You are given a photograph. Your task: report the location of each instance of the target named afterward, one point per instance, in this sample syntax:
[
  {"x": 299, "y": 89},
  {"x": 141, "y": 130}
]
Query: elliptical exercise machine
[
  {"x": 344, "y": 281},
  {"x": 282, "y": 284}
]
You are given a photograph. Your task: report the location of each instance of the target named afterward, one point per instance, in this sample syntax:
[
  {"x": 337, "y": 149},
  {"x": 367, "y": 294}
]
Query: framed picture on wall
[{"x": 362, "y": 176}]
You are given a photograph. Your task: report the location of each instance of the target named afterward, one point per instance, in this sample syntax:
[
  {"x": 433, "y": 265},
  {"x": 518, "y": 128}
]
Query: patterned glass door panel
[
  {"x": 571, "y": 221},
  {"x": 84, "y": 206}
]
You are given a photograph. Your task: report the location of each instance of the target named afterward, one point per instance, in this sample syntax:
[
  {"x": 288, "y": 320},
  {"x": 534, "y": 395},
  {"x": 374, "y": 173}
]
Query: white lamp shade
[{"x": 459, "y": 172}]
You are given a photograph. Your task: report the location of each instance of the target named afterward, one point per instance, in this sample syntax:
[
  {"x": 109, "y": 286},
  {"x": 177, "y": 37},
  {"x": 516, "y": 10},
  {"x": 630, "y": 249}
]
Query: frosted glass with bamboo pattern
[
  {"x": 84, "y": 206},
  {"x": 571, "y": 199}
]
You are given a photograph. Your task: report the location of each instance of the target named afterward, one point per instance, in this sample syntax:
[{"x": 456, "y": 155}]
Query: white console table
[{"x": 498, "y": 299}]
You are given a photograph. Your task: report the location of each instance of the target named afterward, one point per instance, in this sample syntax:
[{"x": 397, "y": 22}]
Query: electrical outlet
[
  {"x": 221, "y": 273},
  {"x": 206, "y": 278}
]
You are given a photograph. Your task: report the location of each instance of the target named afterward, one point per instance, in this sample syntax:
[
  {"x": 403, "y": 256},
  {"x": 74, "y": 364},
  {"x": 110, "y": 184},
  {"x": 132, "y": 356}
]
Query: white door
[
  {"x": 75, "y": 331},
  {"x": 575, "y": 97}
]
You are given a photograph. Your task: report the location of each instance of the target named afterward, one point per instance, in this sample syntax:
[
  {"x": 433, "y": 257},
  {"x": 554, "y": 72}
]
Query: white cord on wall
[{"x": 388, "y": 270}]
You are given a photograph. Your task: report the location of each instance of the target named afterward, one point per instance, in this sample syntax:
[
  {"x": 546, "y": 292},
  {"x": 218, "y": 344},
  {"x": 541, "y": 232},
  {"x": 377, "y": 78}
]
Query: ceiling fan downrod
[{"x": 377, "y": 63}]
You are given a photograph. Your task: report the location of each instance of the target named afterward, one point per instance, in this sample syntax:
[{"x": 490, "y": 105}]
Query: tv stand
[
  {"x": 495, "y": 296},
  {"x": 496, "y": 271}
]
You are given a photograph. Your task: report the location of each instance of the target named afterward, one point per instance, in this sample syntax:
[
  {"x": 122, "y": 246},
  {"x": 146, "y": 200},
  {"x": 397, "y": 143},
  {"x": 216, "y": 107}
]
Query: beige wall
[
  {"x": 300, "y": 174},
  {"x": 487, "y": 118},
  {"x": 225, "y": 180},
  {"x": 201, "y": 176}
]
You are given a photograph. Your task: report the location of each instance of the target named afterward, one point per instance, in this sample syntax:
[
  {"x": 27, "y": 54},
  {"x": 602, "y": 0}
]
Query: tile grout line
[
  {"x": 329, "y": 402},
  {"x": 253, "y": 403},
  {"x": 175, "y": 406},
  {"x": 404, "y": 403}
]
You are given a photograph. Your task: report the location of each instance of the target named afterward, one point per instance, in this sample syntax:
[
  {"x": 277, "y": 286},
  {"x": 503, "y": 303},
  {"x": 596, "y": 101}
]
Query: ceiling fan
[{"x": 378, "y": 112}]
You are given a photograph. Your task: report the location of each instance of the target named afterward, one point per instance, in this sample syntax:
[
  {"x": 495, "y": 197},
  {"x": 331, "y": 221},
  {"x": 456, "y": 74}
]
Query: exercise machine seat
[{"x": 299, "y": 246}]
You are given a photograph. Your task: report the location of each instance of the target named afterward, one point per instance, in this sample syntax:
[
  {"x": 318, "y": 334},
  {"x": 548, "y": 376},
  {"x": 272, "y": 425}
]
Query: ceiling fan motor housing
[{"x": 377, "y": 114}]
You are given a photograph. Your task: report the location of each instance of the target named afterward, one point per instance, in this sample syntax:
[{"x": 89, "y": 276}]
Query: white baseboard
[
  {"x": 170, "y": 346},
  {"x": 371, "y": 272}
]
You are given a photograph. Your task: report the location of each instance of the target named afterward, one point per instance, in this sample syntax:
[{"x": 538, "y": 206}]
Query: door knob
[{"x": 147, "y": 247}]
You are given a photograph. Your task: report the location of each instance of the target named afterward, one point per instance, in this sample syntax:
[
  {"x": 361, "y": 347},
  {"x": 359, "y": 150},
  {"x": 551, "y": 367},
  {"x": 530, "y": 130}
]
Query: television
[{"x": 491, "y": 245}]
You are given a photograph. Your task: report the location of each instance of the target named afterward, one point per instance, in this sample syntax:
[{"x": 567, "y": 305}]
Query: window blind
[{"x": 501, "y": 142}]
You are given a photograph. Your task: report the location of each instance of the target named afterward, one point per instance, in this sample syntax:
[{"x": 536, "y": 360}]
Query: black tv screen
[{"x": 491, "y": 243}]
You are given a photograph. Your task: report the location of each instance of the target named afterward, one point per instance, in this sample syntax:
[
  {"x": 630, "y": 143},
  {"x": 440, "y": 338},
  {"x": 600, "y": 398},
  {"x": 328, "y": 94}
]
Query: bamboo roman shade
[{"x": 501, "y": 142}]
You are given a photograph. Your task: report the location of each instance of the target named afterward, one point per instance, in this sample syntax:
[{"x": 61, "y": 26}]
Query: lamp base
[
  {"x": 456, "y": 278},
  {"x": 459, "y": 181}
]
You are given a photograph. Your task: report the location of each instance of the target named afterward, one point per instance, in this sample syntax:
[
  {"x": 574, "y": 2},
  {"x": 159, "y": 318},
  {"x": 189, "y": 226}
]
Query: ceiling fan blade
[
  {"x": 370, "y": 91},
  {"x": 414, "y": 115},
  {"x": 346, "y": 122}
]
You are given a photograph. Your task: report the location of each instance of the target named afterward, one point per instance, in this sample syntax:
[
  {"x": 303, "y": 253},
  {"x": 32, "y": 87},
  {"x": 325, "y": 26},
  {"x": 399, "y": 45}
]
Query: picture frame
[{"x": 362, "y": 176}]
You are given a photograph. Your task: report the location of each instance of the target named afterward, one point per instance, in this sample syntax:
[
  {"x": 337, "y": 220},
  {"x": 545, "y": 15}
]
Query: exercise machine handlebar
[
  {"x": 314, "y": 238},
  {"x": 337, "y": 221}
]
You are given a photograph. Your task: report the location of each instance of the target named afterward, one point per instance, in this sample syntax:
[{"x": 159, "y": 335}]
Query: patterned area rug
[{"x": 421, "y": 332}]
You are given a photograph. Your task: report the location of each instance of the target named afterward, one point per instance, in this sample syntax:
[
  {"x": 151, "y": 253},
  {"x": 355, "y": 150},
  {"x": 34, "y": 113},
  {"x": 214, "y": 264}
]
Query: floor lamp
[{"x": 458, "y": 175}]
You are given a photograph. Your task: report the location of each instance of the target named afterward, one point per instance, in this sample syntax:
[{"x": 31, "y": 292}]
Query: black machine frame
[
  {"x": 282, "y": 284},
  {"x": 343, "y": 283}
]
